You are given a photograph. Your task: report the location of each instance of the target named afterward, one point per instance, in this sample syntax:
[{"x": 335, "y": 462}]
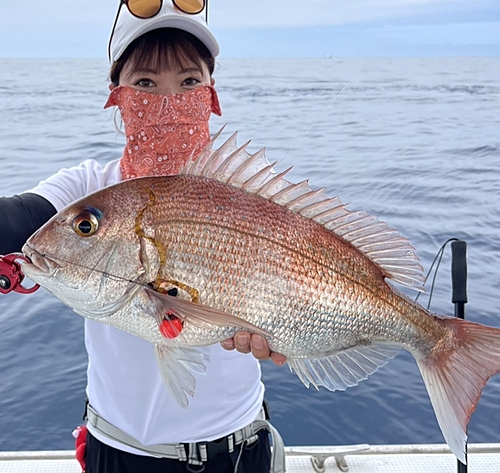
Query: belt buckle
[{"x": 250, "y": 440}]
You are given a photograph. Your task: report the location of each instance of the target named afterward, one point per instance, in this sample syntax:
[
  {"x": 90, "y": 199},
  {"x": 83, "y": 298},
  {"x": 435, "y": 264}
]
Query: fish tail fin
[{"x": 455, "y": 373}]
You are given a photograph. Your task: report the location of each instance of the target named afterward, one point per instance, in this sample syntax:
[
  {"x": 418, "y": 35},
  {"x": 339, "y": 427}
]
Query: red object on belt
[
  {"x": 11, "y": 275},
  {"x": 80, "y": 434}
]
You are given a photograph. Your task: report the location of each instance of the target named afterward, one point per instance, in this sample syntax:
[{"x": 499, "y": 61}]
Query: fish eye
[{"x": 86, "y": 224}]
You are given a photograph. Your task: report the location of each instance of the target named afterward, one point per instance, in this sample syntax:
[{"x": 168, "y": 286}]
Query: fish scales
[
  {"x": 230, "y": 245},
  {"x": 249, "y": 263}
]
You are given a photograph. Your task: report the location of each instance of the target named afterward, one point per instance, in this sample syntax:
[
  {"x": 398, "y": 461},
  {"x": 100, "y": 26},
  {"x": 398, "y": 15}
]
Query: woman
[{"x": 161, "y": 80}]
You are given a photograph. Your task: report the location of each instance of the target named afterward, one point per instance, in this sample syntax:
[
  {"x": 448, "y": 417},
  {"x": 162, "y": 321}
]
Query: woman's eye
[
  {"x": 190, "y": 82},
  {"x": 145, "y": 83}
]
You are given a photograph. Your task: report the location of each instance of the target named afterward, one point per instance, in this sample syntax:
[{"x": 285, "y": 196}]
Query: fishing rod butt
[{"x": 459, "y": 272}]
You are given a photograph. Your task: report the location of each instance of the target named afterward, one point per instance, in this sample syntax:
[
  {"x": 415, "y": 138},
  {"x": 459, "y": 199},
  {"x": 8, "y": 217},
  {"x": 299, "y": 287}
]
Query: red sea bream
[{"x": 185, "y": 261}]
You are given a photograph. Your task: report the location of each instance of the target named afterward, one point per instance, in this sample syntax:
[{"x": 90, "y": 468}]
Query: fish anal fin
[
  {"x": 346, "y": 368},
  {"x": 176, "y": 365},
  {"x": 456, "y": 374}
]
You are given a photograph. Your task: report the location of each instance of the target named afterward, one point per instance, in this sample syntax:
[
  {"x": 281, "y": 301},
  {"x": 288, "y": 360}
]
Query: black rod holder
[{"x": 459, "y": 297}]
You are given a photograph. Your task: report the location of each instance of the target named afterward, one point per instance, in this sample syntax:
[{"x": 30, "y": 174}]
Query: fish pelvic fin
[
  {"x": 455, "y": 374},
  {"x": 176, "y": 366},
  {"x": 344, "y": 369}
]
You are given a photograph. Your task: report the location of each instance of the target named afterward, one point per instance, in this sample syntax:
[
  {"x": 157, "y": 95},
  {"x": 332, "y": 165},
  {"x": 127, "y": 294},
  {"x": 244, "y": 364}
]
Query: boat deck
[{"x": 483, "y": 458}]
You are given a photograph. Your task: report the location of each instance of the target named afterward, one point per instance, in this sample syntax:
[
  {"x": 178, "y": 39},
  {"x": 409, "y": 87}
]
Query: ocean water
[{"x": 414, "y": 141}]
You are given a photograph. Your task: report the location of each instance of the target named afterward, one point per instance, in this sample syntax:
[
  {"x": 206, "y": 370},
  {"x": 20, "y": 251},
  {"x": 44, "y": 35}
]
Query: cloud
[
  {"x": 280, "y": 13},
  {"x": 276, "y": 28},
  {"x": 235, "y": 14},
  {"x": 28, "y": 13},
  {"x": 464, "y": 39}
]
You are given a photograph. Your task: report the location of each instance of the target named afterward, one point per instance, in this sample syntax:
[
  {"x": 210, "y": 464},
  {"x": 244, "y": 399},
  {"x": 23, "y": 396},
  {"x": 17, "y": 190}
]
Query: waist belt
[{"x": 198, "y": 452}]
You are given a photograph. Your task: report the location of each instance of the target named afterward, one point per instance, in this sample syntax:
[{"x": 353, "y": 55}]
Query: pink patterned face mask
[{"x": 163, "y": 131}]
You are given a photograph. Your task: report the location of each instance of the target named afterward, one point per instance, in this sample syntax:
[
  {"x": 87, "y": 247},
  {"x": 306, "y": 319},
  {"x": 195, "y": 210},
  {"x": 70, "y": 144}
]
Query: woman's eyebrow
[
  {"x": 190, "y": 69},
  {"x": 146, "y": 70}
]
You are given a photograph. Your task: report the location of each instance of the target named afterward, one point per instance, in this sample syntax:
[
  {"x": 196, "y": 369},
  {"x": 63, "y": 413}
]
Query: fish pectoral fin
[
  {"x": 343, "y": 369},
  {"x": 203, "y": 316},
  {"x": 176, "y": 366}
]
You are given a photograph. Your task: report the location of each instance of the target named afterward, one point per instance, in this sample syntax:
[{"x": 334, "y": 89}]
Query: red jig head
[
  {"x": 171, "y": 326},
  {"x": 11, "y": 275}
]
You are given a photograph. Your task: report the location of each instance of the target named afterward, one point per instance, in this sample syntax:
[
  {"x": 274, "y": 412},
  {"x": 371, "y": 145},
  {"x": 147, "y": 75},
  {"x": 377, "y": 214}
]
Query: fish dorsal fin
[{"x": 229, "y": 164}]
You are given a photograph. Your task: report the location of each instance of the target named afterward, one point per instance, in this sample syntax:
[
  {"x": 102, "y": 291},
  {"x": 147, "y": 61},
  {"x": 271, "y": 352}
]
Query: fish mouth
[{"x": 39, "y": 263}]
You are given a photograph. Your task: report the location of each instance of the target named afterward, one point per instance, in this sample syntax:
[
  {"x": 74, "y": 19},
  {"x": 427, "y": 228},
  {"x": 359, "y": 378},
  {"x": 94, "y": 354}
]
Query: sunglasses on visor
[{"x": 145, "y": 9}]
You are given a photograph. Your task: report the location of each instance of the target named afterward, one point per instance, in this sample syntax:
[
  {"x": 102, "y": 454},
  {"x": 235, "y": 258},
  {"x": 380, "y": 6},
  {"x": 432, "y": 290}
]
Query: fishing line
[
  {"x": 437, "y": 258},
  {"x": 351, "y": 80},
  {"x": 436, "y": 261},
  {"x": 105, "y": 273}
]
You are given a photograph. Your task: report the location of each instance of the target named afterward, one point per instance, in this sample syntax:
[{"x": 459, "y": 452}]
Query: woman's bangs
[{"x": 160, "y": 53}]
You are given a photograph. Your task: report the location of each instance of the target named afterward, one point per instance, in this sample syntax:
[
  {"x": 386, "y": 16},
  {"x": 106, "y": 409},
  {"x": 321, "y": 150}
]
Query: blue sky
[{"x": 271, "y": 28}]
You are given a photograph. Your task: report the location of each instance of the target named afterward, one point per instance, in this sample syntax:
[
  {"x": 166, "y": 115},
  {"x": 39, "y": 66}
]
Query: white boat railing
[{"x": 362, "y": 458}]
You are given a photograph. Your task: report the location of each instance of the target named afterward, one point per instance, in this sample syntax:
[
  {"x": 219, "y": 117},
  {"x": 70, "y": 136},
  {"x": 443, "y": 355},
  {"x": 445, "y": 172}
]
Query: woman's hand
[{"x": 246, "y": 342}]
